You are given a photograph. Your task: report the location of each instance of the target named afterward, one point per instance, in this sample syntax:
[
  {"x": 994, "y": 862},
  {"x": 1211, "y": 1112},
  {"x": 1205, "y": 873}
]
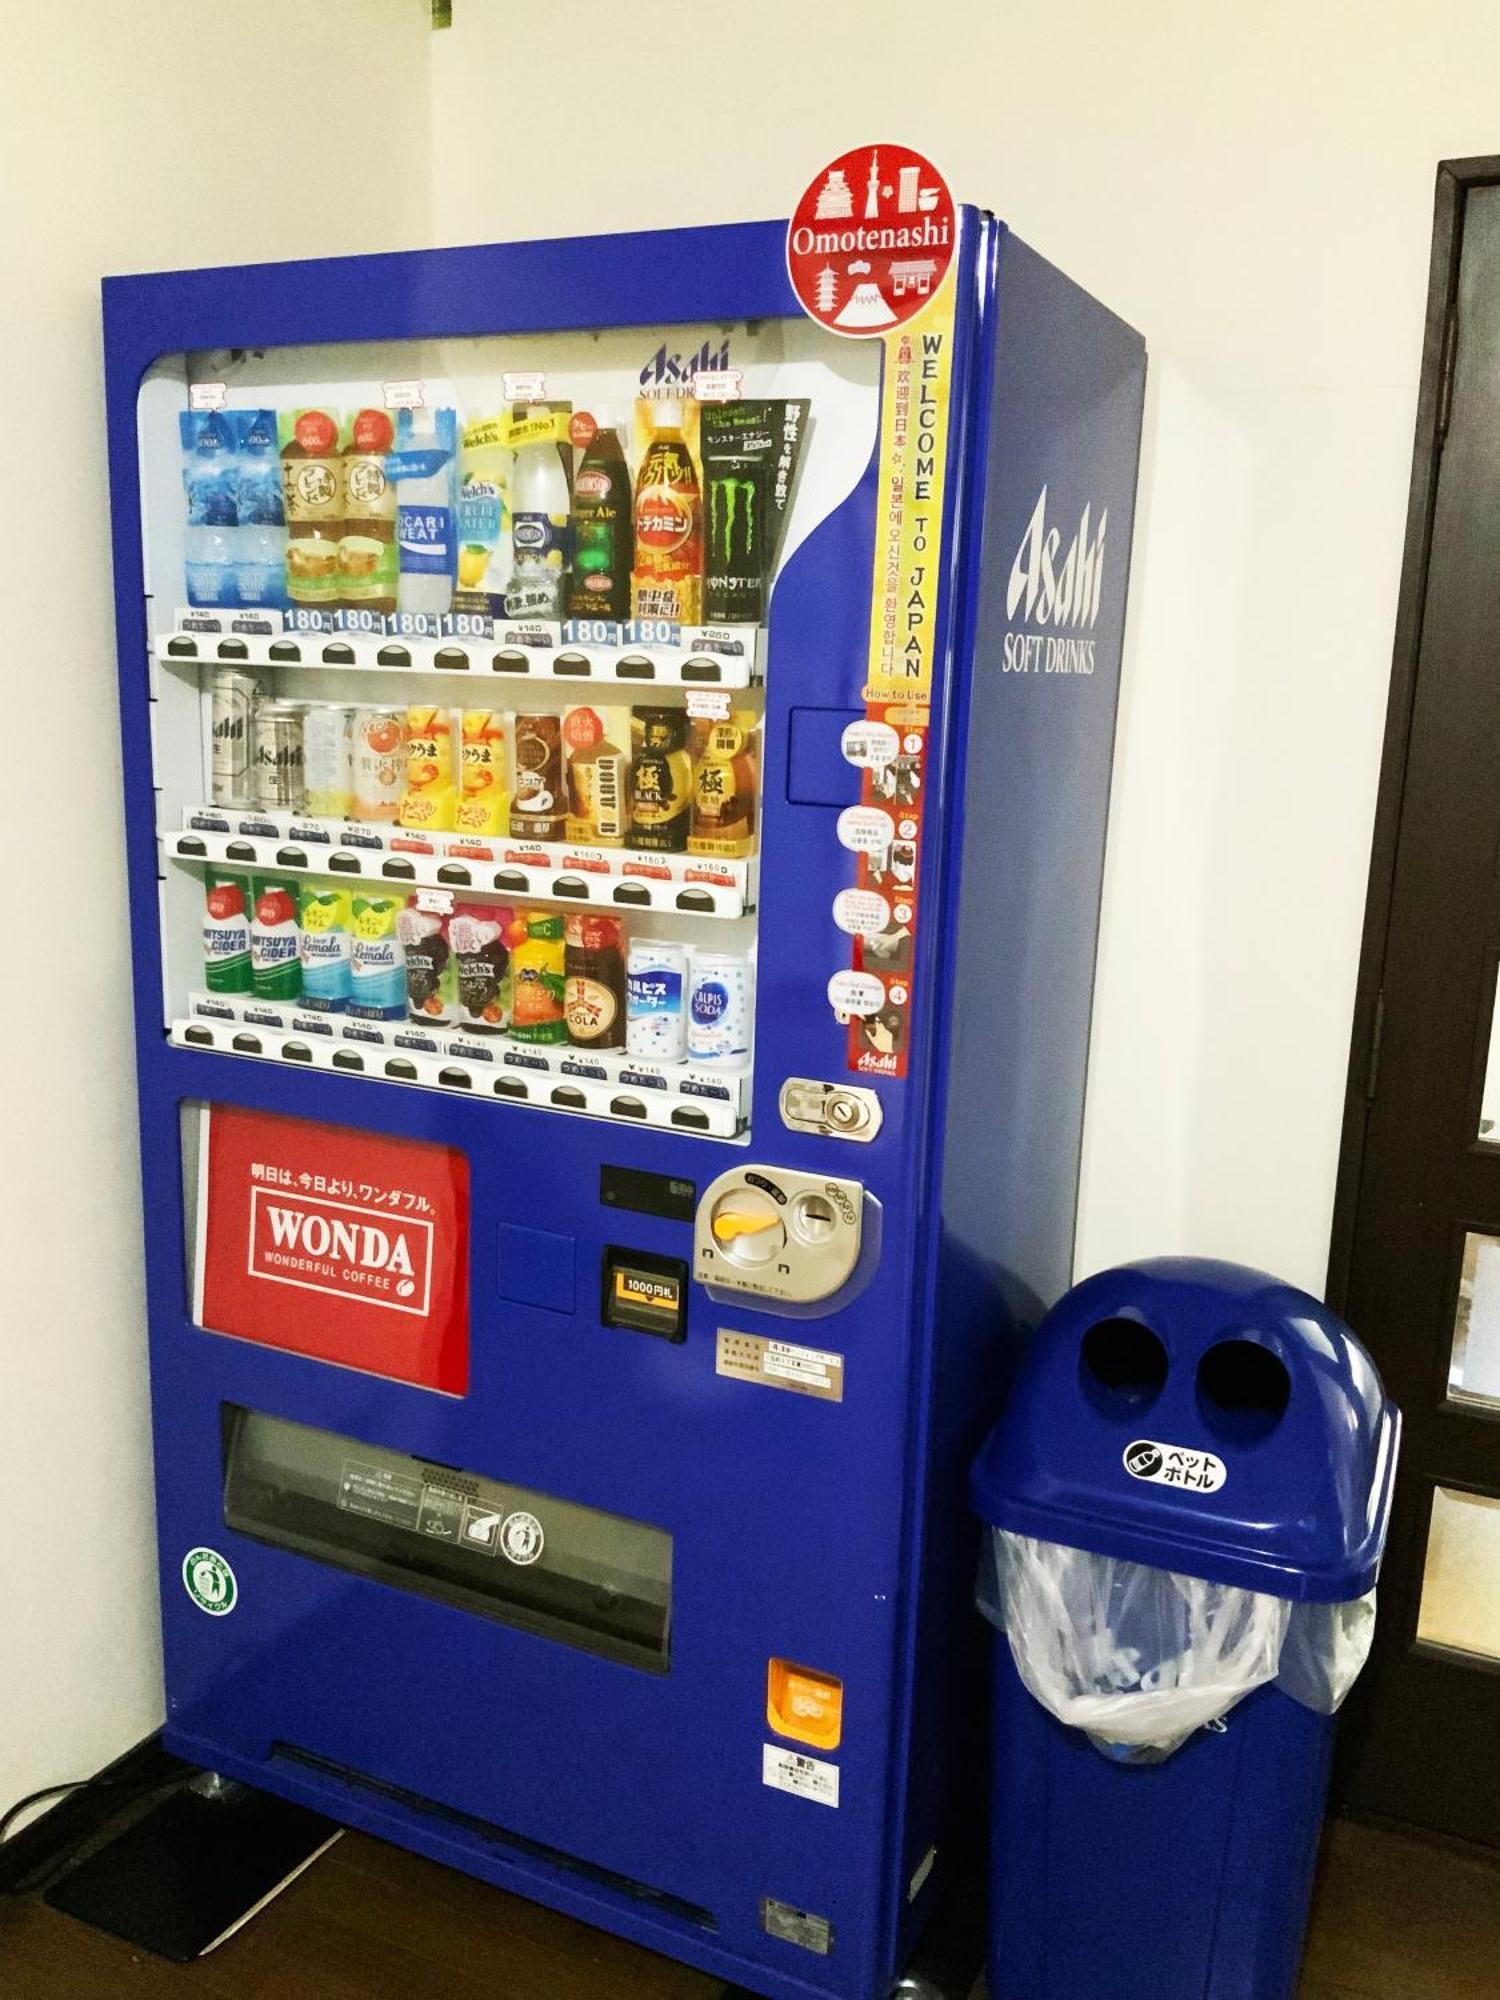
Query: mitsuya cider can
[{"x": 226, "y": 930}]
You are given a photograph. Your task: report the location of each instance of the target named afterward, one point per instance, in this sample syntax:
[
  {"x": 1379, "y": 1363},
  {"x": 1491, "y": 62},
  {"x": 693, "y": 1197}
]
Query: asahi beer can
[
  {"x": 719, "y": 1009},
  {"x": 279, "y": 756},
  {"x": 233, "y": 731},
  {"x": 656, "y": 1000},
  {"x": 328, "y": 759},
  {"x": 379, "y": 762}
]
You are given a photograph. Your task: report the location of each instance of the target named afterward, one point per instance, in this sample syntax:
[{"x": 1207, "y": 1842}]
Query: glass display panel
[
  {"x": 459, "y": 657},
  {"x": 549, "y": 1566}
]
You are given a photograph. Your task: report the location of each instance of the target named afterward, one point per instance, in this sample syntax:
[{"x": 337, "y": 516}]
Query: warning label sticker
[
  {"x": 794, "y": 1926},
  {"x": 803, "y": 1777},
  {"x": 780, "y": 1364}
]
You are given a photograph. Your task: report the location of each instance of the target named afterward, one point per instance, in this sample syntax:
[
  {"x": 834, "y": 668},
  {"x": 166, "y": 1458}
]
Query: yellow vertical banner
[{"x": 916, "y": 386}]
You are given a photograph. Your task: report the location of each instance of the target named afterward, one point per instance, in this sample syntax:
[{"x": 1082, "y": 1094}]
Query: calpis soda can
[
  {"x": 279, "y": 756},
  {"x": 656, "y": 999},
  {"x": 719, "y": 995}
]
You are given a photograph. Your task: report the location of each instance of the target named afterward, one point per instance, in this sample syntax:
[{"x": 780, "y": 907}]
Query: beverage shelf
[
  {"x": 729, "y": 656},
  {"x": 614, "y": 878},
  {"x": 672, "y": 1097}
]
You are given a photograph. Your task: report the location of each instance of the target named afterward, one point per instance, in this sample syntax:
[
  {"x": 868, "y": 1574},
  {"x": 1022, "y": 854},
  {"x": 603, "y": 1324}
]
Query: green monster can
[
  {"x": 275, "y": 968},
  {"x": 226, "y": 931}
]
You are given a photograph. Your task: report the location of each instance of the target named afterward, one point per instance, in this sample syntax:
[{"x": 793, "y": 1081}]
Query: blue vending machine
[{"x": 616, "y": 779}]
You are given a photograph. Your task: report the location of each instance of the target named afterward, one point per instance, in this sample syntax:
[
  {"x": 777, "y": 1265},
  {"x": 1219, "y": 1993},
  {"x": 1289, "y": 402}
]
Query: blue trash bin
[{"x": 1187, "y": 1497}]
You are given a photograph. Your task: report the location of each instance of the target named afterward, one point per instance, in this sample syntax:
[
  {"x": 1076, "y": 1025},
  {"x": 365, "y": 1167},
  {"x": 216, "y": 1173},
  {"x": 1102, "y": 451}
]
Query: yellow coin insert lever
[{"x": 734, "y": 1224}]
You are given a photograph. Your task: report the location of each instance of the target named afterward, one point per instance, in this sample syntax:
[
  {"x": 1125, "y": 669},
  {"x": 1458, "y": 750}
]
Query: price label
[
  {"x": 207, "y": 396},
  {"x": 709, "y": 704},
  {"x": 717, "y": 385},
  {"x": 524, "y": 387},
  {"x": 403, "y": 395},
  {"x": 435, "y": 902}
]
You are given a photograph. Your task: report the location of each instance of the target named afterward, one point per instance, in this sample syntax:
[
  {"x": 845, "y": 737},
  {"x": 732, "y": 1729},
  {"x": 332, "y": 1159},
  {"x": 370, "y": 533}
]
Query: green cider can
[
  {"x": 275, "y": 967},
  {"x": 226, "y": 931}
]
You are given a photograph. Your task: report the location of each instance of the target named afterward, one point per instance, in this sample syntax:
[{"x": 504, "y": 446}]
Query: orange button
[{"x": 805, "y": 1705}]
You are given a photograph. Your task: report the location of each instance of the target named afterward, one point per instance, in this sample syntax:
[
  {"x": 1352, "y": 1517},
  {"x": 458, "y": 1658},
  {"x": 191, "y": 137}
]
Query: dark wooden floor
[{"x": 1394, "y": 1920}]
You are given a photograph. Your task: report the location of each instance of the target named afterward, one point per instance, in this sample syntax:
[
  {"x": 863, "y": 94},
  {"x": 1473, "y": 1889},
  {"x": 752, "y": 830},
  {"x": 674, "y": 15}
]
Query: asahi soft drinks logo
[
  {"x": 1050, "y": 588},
  {"x": 339, "y": 1247},
  {"x": 669, "y": 373}
]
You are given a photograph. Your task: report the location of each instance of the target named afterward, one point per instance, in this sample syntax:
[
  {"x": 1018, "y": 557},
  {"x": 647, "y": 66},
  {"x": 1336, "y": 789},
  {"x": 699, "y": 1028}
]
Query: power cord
[{"x": 8, "y": 1818}]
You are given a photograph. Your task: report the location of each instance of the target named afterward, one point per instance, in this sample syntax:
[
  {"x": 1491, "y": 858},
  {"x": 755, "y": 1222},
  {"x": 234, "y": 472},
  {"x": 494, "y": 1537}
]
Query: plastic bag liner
[{"x": 1141, "y": 1658}]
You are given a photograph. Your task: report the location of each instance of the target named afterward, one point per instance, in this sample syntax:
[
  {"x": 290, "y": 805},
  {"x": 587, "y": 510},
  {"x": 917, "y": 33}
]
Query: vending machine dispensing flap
[{"x": 791, "y": 1238}]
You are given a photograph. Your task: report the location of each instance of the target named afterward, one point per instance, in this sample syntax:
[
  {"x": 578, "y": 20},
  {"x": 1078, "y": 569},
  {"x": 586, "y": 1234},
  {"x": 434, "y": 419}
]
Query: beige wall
[
  {"x": 157, "y": 134},
  {"x": 1252, "y": 189}
]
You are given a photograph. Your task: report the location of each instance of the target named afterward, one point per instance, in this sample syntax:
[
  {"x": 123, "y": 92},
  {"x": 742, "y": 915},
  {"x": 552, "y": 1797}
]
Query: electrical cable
[{"x": 14, "y": 1812}]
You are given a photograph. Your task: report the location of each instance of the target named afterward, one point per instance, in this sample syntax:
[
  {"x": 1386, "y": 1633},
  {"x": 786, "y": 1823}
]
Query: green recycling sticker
[{"x": 210, "y": 1581}]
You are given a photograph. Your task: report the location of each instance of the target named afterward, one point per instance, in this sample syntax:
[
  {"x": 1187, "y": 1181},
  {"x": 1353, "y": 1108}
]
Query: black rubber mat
[{"x": 186, "y": 1875}]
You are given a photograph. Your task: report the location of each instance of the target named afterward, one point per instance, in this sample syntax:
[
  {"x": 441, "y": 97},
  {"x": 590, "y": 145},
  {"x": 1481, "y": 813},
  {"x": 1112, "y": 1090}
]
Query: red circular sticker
[
  {"x": 871, "y": 240},
  {"x": 581, "y": 430}
]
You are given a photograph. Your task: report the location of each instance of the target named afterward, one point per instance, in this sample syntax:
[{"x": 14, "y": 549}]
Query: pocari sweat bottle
[{"x": 422, "y": 466}]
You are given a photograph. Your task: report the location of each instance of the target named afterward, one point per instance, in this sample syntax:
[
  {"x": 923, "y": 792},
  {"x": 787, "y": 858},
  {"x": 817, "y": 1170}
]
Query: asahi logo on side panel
[
  {"x": 1056, "y": 592},
  {"x": 339, "y": 1247}
]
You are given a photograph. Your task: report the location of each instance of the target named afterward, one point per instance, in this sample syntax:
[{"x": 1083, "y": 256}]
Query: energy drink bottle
[
  {"x": 275, "y": 961},
  {"x": 226, "y": 931},
  {"x": 667, "y": 579}
]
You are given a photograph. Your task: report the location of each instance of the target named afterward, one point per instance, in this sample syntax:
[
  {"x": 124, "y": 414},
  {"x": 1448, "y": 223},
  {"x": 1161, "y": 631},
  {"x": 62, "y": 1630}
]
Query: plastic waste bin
[{"x": 1187, "y": 1496}]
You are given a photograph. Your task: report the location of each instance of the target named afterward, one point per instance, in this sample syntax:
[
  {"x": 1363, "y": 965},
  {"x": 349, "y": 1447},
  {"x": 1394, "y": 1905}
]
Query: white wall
[
  {"x": 153, "y": 135},
  {"x": 1252, "y": 188}
]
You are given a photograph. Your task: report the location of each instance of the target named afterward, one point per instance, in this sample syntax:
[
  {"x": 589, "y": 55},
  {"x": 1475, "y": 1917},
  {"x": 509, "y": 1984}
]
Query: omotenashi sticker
[{"x": 1175, "y": 1465}]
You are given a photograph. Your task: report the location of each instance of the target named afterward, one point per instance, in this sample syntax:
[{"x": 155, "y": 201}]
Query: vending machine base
[{"x": 194, "y": 1868}]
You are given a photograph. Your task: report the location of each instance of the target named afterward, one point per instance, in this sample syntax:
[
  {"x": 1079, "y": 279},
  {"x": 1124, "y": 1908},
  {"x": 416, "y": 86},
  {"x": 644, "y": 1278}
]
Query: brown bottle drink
[
  {"x": 539, "y": 809},
  {"x": 594, "y": 981}
]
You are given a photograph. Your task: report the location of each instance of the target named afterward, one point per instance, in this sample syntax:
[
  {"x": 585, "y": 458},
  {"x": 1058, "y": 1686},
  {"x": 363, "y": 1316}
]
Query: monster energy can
[{"x": 750, "y": 452}]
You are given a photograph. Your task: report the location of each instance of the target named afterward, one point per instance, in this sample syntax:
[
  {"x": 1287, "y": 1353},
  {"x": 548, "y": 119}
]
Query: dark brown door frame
[{"x": 1454, "y": 179}]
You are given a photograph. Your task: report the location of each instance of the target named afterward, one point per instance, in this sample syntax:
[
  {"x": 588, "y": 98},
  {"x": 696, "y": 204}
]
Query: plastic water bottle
[
  {"x": 539, "y": 530},
  {"x": 422, "y": 465},
  {"x": 208, "y": 477},
  {"x": 260, "y": 533}
]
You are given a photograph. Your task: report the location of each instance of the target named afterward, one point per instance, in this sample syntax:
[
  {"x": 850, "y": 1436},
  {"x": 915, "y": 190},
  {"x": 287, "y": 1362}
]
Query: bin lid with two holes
[{"x": 1200, "y": 1417}]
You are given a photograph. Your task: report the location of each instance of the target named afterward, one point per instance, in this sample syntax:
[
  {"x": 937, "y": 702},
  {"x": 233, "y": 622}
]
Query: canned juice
[
  {"x": 428, "y": 801},
  {"x": 484, "y": 806},
  {"x": 275, "y": 965},
  {"x": 325, "y": 913},
  {"x": 226, "y": 931},
  {"x": 431, "y": 988},
  {"x": 481, "y": 952},
  {"x": 233, "y": 727},
  {"x": 377, "y": 971},
  {"x": 279, "y": 756},
  {"x": 328, "y": 759},
  {"x": 719, "y": 1007},
  {"x": 379, "y": 762}
]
